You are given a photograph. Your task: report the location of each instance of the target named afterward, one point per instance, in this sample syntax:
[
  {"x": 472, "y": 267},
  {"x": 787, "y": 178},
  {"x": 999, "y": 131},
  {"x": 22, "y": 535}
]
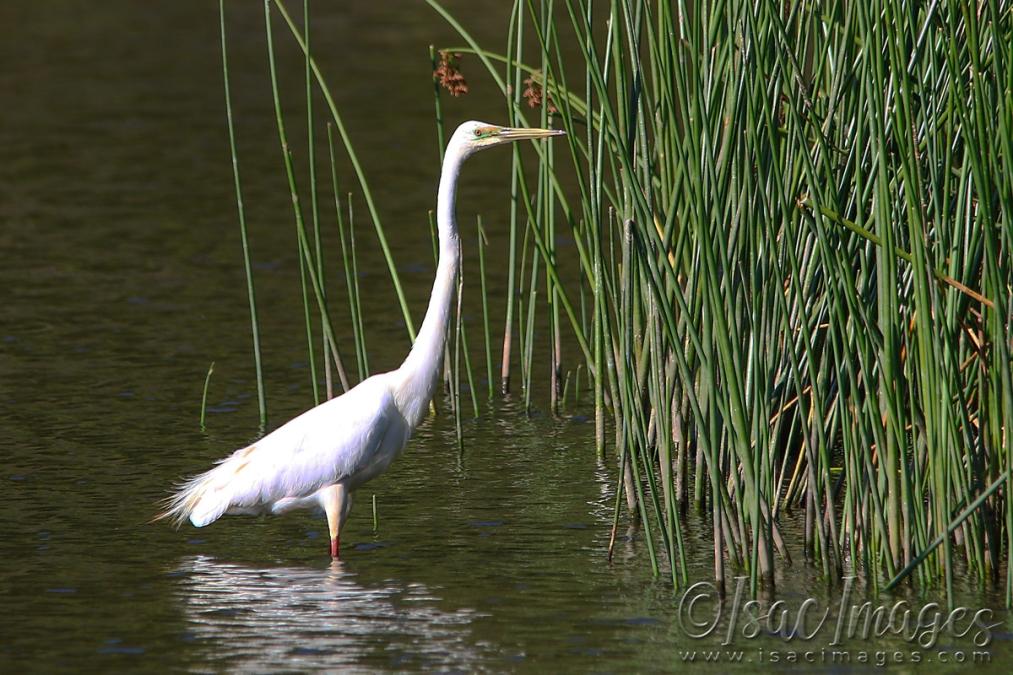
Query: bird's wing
[{"x": 334, "y": 440}]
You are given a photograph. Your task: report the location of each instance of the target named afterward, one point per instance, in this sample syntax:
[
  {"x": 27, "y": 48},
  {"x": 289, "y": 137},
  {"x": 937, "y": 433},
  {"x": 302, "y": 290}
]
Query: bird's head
[{"x": 473, "y": 136}]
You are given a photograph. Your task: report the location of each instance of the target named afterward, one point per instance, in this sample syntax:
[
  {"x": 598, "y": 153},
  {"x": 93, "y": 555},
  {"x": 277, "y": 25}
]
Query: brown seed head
[
  {"x": 448, "y": 75},
  {"x": 535, "y": 95}
]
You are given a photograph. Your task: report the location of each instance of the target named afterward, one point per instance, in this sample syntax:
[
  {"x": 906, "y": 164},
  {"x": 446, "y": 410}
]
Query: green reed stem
[
  {"x": 376, "y": 516},
  {"x": 360, "y": 332},
  {"x": 468, "y": 371},
  {"x": 482, "y": 243},
  {"x": 251, "y": 295},
  {"x": 348, "y": 263},
  {"x": 314, "y": 207},
  {"x": 360, "y": 175},
  {"x": 455, "y": 381},
  {"x": 204, "y": 396},
  {"x": 516, "y": 31},
  {"x": 437, "y": 106},
  {"x": 294, "y": 192}
]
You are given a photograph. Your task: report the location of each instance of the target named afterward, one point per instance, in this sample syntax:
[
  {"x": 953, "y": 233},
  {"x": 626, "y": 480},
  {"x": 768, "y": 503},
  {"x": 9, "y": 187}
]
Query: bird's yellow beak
[{"x": 516, "y": 134}]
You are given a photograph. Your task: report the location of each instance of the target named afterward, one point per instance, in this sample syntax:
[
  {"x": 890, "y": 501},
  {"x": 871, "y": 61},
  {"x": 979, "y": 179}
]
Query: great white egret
[{"x": 322, "y": 456}]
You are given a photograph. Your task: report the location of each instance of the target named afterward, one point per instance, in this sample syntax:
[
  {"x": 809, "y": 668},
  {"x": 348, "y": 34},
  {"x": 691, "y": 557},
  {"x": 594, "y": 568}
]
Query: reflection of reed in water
[{"x": 274, "y": 618}]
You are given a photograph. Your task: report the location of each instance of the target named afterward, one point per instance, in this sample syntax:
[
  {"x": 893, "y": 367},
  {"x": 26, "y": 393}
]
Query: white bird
[{"x": 321, "y": 457}]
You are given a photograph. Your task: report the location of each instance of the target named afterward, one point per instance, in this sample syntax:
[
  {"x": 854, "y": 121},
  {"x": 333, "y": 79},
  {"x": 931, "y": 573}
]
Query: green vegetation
[
  {"x": 790, "y": 283},
  {"x": 794, "y": 222},
  {"x": 251, "y": 294}
]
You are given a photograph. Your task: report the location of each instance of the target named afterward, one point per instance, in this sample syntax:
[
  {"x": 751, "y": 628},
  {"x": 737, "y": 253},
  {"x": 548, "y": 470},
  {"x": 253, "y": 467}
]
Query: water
[{"x": 122, "y": 280}]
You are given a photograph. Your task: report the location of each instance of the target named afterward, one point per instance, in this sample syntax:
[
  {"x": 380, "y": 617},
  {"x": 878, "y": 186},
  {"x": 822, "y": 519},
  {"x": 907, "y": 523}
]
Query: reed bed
[
  {"x": 789, "y": 289},
  {"x": 793, "y": 224}
]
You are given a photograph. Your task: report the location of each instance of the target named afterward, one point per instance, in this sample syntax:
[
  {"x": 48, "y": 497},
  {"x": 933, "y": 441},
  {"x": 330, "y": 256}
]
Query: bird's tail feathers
[{"x": 201, "y": 500}]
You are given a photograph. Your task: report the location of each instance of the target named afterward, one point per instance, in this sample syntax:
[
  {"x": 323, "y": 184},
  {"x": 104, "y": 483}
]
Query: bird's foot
[{"x": 335, "y": 542}]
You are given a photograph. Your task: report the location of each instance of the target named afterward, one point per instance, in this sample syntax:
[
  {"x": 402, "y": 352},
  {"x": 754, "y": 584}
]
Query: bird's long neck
[{"x": 421, "y": 370}]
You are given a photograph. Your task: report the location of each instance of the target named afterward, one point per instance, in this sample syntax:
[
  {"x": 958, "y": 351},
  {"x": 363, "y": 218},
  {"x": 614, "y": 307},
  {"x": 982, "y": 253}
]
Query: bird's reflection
[{"x": 274, "y": 618}]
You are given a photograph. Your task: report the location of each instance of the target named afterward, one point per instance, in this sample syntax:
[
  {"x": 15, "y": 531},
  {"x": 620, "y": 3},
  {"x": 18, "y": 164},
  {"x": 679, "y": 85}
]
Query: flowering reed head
[
  {"x": 448, "y": 74},
  {"x": 536, "y": 96}
]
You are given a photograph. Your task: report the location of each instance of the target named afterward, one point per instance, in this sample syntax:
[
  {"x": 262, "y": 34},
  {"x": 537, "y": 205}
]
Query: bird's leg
[{"x": 333, "y": 500}]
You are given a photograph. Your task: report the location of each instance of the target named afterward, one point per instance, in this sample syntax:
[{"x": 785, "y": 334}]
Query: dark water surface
[{"x": 121, "y": 280}]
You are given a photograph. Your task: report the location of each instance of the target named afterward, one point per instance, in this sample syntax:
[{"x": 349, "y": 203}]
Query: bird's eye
[{"x": 478, "y": 133}]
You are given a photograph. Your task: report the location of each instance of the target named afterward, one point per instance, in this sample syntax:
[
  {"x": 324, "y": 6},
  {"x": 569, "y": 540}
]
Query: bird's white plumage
[
  {"x": 349, "y": 439},
  {"x": 320, "y": 457}
]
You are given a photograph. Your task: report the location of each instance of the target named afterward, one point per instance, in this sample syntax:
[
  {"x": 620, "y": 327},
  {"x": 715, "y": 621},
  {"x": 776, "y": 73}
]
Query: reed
[
  {"x": 314, "y": 206},
  {"x": 204, "y": 396},
  {"x": 789, "y": 284},
  {"x": 243, "y": 234},
  {"x": 349, "y": 263},
  {"x": 515, "y": 42},
  {"x": 481, "y": 244},
  {"x": 455, "y": 382},
  {"x": 353, "y": 158},
  {"x": 308, "y": 267},
  {"x": 794, "y": 223},
  {"x": 296, "y": 204}
]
